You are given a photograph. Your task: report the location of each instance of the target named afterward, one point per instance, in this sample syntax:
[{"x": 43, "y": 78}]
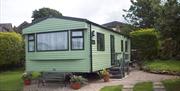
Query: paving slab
[{"x": 158, "y": 86}]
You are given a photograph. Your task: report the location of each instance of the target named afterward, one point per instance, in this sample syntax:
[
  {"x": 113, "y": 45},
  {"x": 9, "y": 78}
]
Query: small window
[
  {"x": 126, "y": 46},
  {"x": 122, "y": 46},
  {"x": 31, "y": 43},
  {"x": 100, "y": 42},
  {"x": 77, "y": 40}
]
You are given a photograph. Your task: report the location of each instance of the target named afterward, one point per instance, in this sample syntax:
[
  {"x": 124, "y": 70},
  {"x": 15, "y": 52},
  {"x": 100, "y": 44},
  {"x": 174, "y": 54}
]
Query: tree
[
  {"x": 45, "y": 12},
  {"x": 168, "y": 23},
  {"x": 141, "y": 13}
]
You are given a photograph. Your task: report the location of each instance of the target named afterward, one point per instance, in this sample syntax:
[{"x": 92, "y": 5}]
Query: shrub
[
  {"x": 145, "y": 41},
  {"x": 11, "y": 49}
]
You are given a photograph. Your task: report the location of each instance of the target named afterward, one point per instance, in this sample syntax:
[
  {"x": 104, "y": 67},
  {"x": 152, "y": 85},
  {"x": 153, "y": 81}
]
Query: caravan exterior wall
[{"x": 71, "y": 45}]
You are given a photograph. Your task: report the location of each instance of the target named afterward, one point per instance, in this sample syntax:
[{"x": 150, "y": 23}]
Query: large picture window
[
  {"x": 31, "y": 43},
  {"x": 52, "y": 41},
  {"x": 100, "y": 42},
  {"x": 77, "y": 39}
]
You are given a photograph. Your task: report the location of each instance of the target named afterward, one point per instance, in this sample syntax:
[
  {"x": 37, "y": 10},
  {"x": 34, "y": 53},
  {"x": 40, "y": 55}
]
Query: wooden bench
[{"x": 52, "y": 76}]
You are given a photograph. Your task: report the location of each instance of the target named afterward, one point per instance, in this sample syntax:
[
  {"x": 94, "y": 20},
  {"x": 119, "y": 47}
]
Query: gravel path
[{"x": 133, "y": 78}]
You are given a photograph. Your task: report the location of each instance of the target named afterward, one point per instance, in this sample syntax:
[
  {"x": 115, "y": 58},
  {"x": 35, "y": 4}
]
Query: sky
[{"x": 98, "y": 11}]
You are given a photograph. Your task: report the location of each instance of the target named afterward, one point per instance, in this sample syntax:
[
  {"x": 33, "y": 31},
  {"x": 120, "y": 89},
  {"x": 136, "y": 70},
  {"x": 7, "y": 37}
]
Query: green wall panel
[
  {"x": 59, "y": 61},
  {"x": 102, "y": 59}
]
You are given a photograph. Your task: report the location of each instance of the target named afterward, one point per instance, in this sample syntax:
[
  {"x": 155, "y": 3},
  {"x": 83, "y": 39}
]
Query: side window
[
  {"x": 100, "y": 42},
  {"x": 122, "y": 46},
  {"x": 126, "y": 46},
  {"x": 77, "y": 40},
  {"x": 31, "y": 43}
]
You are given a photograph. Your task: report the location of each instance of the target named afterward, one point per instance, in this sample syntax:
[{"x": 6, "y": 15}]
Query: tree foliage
[
  {"x": 168, "y": 23},
  {"x": 45, "y": 12},
  {"x": 141, "y": 13}
]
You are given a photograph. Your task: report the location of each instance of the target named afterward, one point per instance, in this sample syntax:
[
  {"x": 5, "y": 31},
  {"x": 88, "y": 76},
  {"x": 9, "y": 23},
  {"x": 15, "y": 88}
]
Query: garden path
[{"x": 134, "y": 77}]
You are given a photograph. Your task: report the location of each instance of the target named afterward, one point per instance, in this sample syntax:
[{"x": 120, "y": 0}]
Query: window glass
[
  {"x": 77, "y": 43},
  {"x": 100, "y": 42},
  {"x": 31, "y": 43},
  {"x": 122, "y": 46},
  {"x": 126, "y": 46},
  {"x": 31, "y": 37},
  {"x": 77, "y": 33},
  {"x": 77, "y": 40},
  {"x": 31, "y": 46},
  {"x": 52, "y": 41}
]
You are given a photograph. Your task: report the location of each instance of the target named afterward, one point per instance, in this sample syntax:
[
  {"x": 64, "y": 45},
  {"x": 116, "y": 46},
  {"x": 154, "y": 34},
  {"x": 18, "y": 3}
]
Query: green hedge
[
  {"x": 145, "y": 41},
  {"x": 11, "y": 49}
]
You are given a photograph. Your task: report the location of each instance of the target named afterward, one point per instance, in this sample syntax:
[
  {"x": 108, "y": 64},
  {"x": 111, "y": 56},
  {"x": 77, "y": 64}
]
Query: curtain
[
  {"x": 77, "y": 43},
  {"x": 31, "y": 46},
  {"x": 52, "y": 41},
  {"x": 77, "y": 40}
]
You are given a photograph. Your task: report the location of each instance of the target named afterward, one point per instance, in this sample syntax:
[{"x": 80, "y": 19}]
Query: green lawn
[
  {"x": 172, "y": 85},
  {"x": 143, "y": 86},
  {"x": 11, "y": 80},
  {"x": 163, "y": 66},
  {"x": 112, "y": 88}
]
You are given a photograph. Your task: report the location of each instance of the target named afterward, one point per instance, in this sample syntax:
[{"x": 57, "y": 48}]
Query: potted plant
[
  {"x": 27, "y": 78},
  {"x": 105, "y": 74},
  {"x": 77, "y": 81}
]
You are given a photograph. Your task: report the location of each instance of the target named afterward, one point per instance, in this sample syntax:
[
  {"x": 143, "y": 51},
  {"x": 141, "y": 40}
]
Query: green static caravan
[{"x": 67, "y": 44}]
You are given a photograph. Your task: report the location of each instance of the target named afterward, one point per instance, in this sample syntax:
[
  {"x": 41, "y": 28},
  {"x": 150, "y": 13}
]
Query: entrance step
[
  {"x": 114, "y": 72},
  {"x": 118, "y": 76}
]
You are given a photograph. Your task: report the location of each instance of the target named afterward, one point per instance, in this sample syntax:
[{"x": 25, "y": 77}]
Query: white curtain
[
  {"x": 77, "y": 39},
  {"x": 31, "y": 45},
  {"x": 52, "y": 41},
  {"x": 77, "y": 43}
]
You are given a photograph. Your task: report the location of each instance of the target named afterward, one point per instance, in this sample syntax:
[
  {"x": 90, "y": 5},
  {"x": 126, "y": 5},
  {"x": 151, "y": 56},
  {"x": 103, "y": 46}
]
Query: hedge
[
  {"x": 11, "y": 49},
  {"x": 145, "y": 41}
]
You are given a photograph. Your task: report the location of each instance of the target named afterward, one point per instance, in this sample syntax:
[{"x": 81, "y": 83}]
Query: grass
[
  {"x": 171, "y": 85},
  {"x": 11, "y": 80},
  {"x": 163, "y": 66},
  {"x": 112, "y": 88},
  {"x": 143, "y": 86}
]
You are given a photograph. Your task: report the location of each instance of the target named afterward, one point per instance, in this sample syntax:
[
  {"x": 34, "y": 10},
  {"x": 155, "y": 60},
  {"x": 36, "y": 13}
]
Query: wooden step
[{"x": 119, "y": 76}]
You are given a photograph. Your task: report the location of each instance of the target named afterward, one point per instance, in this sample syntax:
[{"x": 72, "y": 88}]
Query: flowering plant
[{"x": 26, "y": 76}]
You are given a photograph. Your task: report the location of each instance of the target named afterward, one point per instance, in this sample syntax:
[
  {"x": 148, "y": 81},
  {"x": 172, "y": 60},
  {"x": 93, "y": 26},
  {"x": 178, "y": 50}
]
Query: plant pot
[
  {"x": 106, "y": 78},
  {"x": 76, "y": 85},
  {"x": 27, "y": 82}
]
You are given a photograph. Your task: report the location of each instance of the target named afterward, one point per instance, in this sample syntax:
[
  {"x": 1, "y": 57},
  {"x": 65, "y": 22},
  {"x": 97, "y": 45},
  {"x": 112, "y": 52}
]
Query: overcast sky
[{"x": 98, "y": 11}]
